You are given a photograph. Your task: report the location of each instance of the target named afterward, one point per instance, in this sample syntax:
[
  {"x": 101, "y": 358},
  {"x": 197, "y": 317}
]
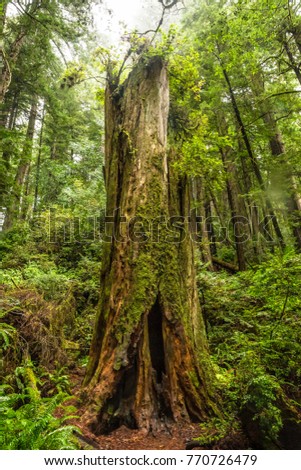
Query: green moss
[
  {"x": 140, "y": 299},
  {"x": 194, "y": 379}
]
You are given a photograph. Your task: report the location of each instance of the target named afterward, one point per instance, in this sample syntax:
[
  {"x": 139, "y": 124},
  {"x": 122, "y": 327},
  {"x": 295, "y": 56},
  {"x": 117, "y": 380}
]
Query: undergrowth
[
  {"x": 48, "y": 302},
  {"x": 31, "y": 424},
  {"x": 254, "y": 328},
  {"x": 48, "y": 296}
]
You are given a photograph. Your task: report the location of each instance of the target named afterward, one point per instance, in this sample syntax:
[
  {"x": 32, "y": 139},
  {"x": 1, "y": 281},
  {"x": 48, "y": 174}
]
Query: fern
[
  {"x": 7, "y": 333},
  {"x": 32, "y": 425}
]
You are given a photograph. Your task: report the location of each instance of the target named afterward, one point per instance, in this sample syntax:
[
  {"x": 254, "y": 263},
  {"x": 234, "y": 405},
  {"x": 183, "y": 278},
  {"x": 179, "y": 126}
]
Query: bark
[
  {"x": 253, "y": 159},
  {"x": 5, "y": 159},
  {"x": 14, "y": 206},
  {"x": 149, "y": 361},
  {"x": 241, "y": 234},
  {"x": 38, "y": 166},
  {"x": 210, "y": 227},
  {"x": 8, "y": 62},
  {"x": 224, "y": 264},
  {"x": 199, "y": 223}
]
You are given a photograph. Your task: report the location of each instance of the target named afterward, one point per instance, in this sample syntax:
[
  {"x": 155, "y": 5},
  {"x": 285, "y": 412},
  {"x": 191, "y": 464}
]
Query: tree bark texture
[{"x": 149, "y": 362}]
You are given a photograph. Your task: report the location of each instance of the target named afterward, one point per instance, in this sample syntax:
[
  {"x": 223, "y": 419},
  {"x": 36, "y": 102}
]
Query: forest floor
[
  {"x": 128, "y": 439},
  {"x": 123, "y": 438}
]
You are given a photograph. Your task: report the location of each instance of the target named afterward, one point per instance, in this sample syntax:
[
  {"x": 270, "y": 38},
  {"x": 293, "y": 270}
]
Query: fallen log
[{"x": 224, "y": 264}]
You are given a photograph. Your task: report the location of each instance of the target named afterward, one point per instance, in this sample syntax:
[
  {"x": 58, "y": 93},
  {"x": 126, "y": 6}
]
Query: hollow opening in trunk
[
  {"x": 118, "y": 410},
  {"x": 156, "y": 344}
]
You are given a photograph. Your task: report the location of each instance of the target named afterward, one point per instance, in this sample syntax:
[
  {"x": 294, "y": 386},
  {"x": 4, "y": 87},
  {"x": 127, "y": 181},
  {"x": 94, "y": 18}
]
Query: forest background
[{"x": 235, "y": 84}]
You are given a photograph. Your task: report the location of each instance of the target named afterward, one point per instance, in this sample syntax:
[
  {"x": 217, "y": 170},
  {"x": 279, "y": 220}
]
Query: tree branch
[
  {"x": 289, "y": 92},
  {"x": 168, "y": 5}
]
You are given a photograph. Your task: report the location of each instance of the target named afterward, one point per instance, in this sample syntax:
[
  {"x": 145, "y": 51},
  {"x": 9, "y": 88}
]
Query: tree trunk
[
  {"x": 5, "y": 156},
  {"x": 13, "y": 209},
  {"x": 250, "y": 204},
  {"x": 253, "y": 159},
  {"x": 199, "y": 223},
  {"x": 13, "y": 111},
  {"x": 38, "y": 165},
  {"x": 240, "y": 224},
  {"x": 149, "y": 362},
  {"x": 9, "y": 62},
  {"x": 209, "y": 226}
]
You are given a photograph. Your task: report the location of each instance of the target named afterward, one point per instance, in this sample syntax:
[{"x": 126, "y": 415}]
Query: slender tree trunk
[
  {"x": 3, "y": 65},
  {"x": 5, "y": 158},
  {"x": 26, "y": 191},
  {"x": 14, "y": 206},
  {"x": 251, "y": 204},
  {"x": 241, "y": 235},
  {"x": 38, "y": 165},
  {"x": 210, "y": 227},
  {"x": 13, "y": 111},
  {"x": 253, "y": 159},
  {"x": 199, "y": 221},
  {"x": 8, "y": 62},
  {"x": 149, "y": 361}
]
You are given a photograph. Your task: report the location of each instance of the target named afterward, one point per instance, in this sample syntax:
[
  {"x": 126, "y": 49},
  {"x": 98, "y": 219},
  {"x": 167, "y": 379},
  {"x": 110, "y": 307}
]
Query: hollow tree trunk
[{"x": 149, "y": 361}]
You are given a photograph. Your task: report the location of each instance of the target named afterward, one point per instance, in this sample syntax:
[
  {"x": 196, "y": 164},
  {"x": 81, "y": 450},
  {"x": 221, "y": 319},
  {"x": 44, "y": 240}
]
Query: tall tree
[{"x": 149, "y": 359}]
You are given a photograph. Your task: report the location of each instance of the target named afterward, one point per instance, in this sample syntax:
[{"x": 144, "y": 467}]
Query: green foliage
[
  {"x": 7, "y": 333},
  {"x": 216, "y": 429},
  {"x": 254, "y": 332},
  {"x": 32, "y": 425},
  {"x": 55, "y": 382},
  {"x": 260, "y": 397},
  {"x": 247, "y": 52}
]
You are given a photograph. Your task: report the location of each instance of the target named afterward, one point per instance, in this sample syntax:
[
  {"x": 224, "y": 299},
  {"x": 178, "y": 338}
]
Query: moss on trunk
[{"x": 149, "y": 361}]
